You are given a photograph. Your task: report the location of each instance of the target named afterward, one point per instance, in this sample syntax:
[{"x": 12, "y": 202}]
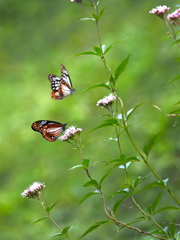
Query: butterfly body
[
  {"x": 61, "y": 86},
  {"x": 50, "y": 130}
]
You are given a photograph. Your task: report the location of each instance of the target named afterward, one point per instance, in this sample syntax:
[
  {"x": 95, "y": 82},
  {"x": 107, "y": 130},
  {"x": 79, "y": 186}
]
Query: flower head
[
  {"x": 174, "y": 17},
  {"x": 33, "y": 191},
  {"x": 160, "y": 10},
  {"x": 77, "y": 1},
  {"x": 69, "y": 133},
  {"x": 106, "y": 101}
]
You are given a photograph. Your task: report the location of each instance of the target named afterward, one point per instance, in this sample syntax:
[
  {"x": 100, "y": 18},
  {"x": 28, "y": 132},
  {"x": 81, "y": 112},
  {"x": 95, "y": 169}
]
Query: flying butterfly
[
  {"x": 61, "y": 86},
  {"x": 50, "y": 130}
]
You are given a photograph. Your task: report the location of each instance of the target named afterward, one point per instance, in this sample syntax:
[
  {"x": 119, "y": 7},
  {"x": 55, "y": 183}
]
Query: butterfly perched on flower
[
  {"x": 50, "y": 130},
  {"x": 61, "y": 86}
]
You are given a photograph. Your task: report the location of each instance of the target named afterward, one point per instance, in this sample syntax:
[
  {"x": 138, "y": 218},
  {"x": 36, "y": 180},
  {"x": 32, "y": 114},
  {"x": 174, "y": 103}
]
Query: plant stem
[
  {"x": 139, "y": 152},
  {"x": 171, "y": 31},
  {"x": 123, "y": 224},
  {"x": 44, "y": 205}
]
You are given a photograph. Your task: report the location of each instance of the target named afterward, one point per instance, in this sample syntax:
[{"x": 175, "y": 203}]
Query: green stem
[
  {"x": 123, "y": 224},
  {"x": 142, "y": 156},
  {"x": 171, "y": 30},
  {"x": 44, "y": 205}
]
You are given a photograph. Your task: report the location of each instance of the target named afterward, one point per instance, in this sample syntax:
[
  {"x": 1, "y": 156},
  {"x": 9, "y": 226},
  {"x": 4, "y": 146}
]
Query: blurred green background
[{"x": 36, "y": 37}]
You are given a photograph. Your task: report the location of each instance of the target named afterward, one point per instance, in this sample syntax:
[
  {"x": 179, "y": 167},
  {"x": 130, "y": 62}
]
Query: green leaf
[
  {"x": 129, "y": 113},
  {"x": 57, "y": 235},
  {"x": 116, "y": 205},
  {"x": 156, "y": 201},
  {"x": 177, "y": 77},
  {"x": 119, "y": 160},
  {"x": 112, "y": 122},
  {"x": 87, "y": 196},
  {"x": 97, "y": 50},
  {"x": 96, "y": 86},
  {"x": 138, "y": 181},
  {"x": 88, "y": 4},
  {"x": 87, "y": 19},
  {"x": 95, "y": 16},
  {"x": 102, "y": 12},
  {"x": 104, "y": 177},
  {"x": 64, "y": 231},
  {"x": 160, "y": 184},
  {"x": 151, "y": 208},
  {"x": 112, "y": 45},
  {"x": 91, "y": 183},
  {"x": 77, "y": 166},
  {"x": 133, "y": 158},
  {"x": 123, "y": 160},
  {"x": 107, "y": 123},
  {"x": 121, "y": 67},
  {"x": 48, "y": 209},
  {"x": 93, "y": 227},
  {"x": 40, "y": 219},
  {"x": 152, "y": 142},
  {"x": 166, "y": 208},
  {"x": 85, "y": 163},
  {"x": 86, "y": 53}
]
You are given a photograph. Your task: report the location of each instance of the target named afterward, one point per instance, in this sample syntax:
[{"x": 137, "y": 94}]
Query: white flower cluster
[
  {"x": 69, "y": 133},
  {"x": 174, "y": 16},
  {"x": 33, "y": 190},
  {"x": 159, "y": 10},
  {"x": 106, "y": 101}
]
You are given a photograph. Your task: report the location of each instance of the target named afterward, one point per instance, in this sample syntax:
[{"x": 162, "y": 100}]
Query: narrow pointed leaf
[
  {"x": 77, "y": 166},
  {"x": 93, "y": 227},
  {"x": 112, "y": 45},
  {"x": 96, "y": 86},
  {"x": 154, "y": 184},
  {"x": 97, "y": 50},
  {"x": 147, "y": 148},
  {"x": 117, "y": 204},
  {"x": 166, "y": 208},
  {"x": 103, "y": 178},
  {"x": 48, "y": 209},
  {"x": 177, "y": 77},
  {"x": 40, "y": 219},
  {"x": 112, "y": 122},
  {"x": 119, "y": 160},
  {"x": 87, "y": 19},
  {"x": 91, "y": 183},
  {"x": 64, "y": 231},
  {"x": 86, "y": 53},
  {"x": 100, "y": 126},
  {"x": 129, "y": 113},
  {"x": 95, "y": 16},
  {"x": 121, "y": 67},
  {"x": 85, "y": 163},
  {"x": 124, "y": 191},
  {"x": 57, "y": 235},
  {"x": 102, "y": 12},
  {"x": 87, "y": 196}
]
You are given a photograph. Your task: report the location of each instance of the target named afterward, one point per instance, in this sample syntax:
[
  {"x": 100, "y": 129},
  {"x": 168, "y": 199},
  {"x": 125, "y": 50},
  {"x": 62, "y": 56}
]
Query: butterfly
[
  {"x": 61, "y": 86},
  {"x": 50, "y": 130}
]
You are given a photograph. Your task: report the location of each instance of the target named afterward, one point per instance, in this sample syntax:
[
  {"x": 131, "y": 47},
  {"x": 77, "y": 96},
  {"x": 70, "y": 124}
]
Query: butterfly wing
[
  {"x": 37, "y": 126},
  {"x": 54, "y": 81},
  {"x": 65, "y": 76},
  {"x": 61, "y": 87},
  {"x": 50, "y": 130}
]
